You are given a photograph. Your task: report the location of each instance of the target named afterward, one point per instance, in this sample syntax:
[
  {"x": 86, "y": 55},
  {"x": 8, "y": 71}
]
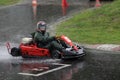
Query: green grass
[
  {"x": 8, "y": 2},
  {"x": 94, "y": 26}
]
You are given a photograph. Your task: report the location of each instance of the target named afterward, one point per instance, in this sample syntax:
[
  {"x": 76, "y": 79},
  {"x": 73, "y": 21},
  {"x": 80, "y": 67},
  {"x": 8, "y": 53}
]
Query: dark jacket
[{"x": 42, "y": 38}]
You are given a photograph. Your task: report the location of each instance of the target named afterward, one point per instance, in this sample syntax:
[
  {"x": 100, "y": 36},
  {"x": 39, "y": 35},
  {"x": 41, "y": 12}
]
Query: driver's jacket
[{"x": 42, "y": 39}]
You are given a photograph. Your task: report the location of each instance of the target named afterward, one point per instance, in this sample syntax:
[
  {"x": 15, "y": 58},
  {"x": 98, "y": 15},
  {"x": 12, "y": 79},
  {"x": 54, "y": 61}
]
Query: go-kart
[{"x": 28, "y": 48}]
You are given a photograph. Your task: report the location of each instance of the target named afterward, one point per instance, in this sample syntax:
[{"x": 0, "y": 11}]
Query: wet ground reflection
[
  {"x": 79, "y": 70},
  {"x": 12, "y": 69}
]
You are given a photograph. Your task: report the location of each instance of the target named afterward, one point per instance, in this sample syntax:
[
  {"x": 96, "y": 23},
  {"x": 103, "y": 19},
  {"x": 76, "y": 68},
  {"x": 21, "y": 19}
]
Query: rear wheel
[{"x": 15, "y": 52}]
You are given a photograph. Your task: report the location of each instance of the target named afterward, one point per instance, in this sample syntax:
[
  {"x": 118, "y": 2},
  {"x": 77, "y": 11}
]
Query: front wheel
[{"x": 55, "y": 54}]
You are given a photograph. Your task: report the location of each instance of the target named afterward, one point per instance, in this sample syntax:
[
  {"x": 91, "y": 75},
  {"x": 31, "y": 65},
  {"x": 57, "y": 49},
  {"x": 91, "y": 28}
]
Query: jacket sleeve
[{"x": 49, "y": 38}]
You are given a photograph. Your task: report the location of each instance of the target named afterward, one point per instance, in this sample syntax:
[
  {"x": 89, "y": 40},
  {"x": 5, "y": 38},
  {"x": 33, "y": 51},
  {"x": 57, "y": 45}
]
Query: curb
[{"x": 105, "y": 47}]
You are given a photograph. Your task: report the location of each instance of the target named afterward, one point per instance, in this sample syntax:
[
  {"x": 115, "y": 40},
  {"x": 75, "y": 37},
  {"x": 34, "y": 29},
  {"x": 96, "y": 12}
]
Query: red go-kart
[{"x": 28, "y": 49}]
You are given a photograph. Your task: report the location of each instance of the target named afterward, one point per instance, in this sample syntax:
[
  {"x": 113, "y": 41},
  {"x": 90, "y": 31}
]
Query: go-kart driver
[{"x": 43, "y": 40}]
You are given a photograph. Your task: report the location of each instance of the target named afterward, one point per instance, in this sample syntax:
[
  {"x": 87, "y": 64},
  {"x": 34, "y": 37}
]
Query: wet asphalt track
[{"x": 17, "y": 22}]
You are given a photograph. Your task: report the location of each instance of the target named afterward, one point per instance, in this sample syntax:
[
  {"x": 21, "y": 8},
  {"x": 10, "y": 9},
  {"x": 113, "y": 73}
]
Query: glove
[{"x": 57, "y": 37}]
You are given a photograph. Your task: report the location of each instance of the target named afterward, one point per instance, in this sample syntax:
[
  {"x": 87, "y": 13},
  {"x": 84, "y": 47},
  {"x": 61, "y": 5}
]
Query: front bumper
[{"x": 73, "y": 54}]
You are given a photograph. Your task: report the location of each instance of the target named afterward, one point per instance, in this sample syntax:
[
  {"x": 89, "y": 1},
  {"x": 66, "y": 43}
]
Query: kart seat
[{"x": 26, "y": 40}]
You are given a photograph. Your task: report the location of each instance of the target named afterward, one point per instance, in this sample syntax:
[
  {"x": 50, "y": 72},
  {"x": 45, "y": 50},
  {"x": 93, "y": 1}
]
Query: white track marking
[{"x": 55, "y": 69}]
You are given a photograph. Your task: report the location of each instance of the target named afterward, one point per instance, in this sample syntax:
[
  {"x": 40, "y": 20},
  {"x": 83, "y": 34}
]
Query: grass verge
[
  {"x": 94, "y": 26},
  {"x": 8, "y": 2}
]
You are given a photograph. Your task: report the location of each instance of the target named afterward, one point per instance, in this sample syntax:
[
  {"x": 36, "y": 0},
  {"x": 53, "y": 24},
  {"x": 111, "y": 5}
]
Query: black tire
[
  {"x": 55, "y": 54},
  {"x": 15, "y": 52}
]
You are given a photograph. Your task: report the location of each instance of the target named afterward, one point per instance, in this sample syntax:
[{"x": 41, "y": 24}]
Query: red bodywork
[
  {"x": 33, "y": 50},
  {"x": 68, "y": 41}
]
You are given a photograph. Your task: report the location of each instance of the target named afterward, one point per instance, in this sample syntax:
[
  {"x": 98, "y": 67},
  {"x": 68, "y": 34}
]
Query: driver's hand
[{"x": 57, "y": 37}]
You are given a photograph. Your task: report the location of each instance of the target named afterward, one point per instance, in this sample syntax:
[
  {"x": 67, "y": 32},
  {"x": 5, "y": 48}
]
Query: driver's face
[{"x": 42, "y": 27}]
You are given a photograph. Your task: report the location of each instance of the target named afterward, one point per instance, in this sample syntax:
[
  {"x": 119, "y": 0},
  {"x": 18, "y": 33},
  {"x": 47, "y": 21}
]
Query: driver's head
[{"x": 41, "y": 26}]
